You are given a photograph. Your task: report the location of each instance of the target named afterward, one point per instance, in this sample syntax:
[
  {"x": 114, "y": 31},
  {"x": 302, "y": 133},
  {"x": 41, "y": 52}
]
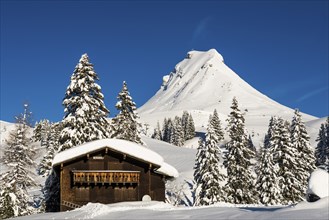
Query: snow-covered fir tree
[
  {"x": 188, "y": 125},
  {"x": 305, "y": 155},
  {"x": 167, "y": 130},
  {"x": 85, "y": 111},
  {"x": 172, "y": 129},
  {"x": 51, "y": 145},
  {"x": 251, "y": 144},
  {"x": 198, "y": 169},
  {"x": 25, "y": 118},
  {"x": 322, "y": 148},
  {"x": 125, "y": 124},
  {"x": 178, "y": 133},
  {"x": 217, "y": 125},
  {"x": 267, "y": 185},
  {"x": 185, "y": 121},
  {"x": 41, "y": 132},
  {"x": 240, "y": 181},
  {"x": 157, "y": 132},
  {"x": 8, "y": 202},
  {"x": 164, "y": 130},
  {"x": 208, "y": 175},
  {"x": 286, "y": 156},
  {"x": 190, "y": 128},
  {"x": 37, "y": 131},
  {"x": 18, "y": 158},
  {"x": 269, "y": 134}
]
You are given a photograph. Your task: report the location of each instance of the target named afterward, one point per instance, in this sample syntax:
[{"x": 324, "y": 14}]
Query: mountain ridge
[{"x": 202, "y": 82}]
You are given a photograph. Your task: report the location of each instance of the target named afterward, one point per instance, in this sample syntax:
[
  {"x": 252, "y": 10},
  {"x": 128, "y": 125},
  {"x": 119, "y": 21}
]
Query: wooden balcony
[{"x": 105, "y": 176}]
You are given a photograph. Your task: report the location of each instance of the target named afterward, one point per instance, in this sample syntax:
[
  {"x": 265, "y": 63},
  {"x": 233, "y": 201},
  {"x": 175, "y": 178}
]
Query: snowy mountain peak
[
  {"x": 202, "y": 82},
  {"x": 212, "y": 53}
]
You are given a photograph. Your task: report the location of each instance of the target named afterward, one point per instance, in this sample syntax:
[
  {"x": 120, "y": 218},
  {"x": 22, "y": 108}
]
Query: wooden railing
[
  {"x": 70, "y": 204},
  {"x": 105, "y": 176}
]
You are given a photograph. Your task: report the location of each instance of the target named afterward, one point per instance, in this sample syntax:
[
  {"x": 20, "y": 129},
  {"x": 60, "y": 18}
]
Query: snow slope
[
  {"x": 313, "y": 128},
  {"x": 202, "y": 82}
]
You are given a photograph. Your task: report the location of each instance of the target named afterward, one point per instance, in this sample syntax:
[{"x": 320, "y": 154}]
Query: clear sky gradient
[{"x": 278, "y": 47}]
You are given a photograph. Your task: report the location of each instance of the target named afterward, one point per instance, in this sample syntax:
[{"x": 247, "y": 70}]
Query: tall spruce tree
[
  {"x": 251, "y": 145},
  {"x": 157, "y": 132},
  {"x": 267, "y": 185},
  {"x": 167, "y": 130},
  {"x": 125, "y": 124},
  {"x": 322, "y": 148},
  {"x": 208, "y": 175},
  {"x": 240, "y": 182},
  {"x": 25, "y": 118},
  {"x": 185, "y": 124},
  {"x": 51, "y": 145},
  {"x": 178, "y": 132},
  {"x": 269, "y": 133},
  {"x": 18, "y": 158},
  {"x": 190, "y": 127},
  {"x": 305, "y": 155},
  {"x": 85, "y": 111},
  {"x": 268, "y": 181},
  {"x": 326, "y": 164},
  {"x": 37, "y": 131},
  {"x": 286, "y": 158},
  {"x": 198, "y": 170},
  {"x": 41, "y": 131},
  {"x": 216, "y": 124}
]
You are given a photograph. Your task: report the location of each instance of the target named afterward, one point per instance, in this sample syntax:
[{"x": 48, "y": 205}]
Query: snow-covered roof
[
  {"x": 167, "y": 168},
  {"x": 131, "y": 149}
]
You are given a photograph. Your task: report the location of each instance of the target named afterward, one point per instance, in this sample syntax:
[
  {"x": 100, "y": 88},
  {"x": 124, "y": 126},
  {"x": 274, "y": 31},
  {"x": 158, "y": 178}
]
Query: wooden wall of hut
[{"x": 101, "y": 186}]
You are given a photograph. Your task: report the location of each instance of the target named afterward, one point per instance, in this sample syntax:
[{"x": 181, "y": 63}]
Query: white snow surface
[
  {"x": 160, "y": 210},
  {"x": 313, "y": 127},
  {"x": 319, "y": 183},
  {"x": 201, "y": 83},
  {"x": 126, "y": 147}
]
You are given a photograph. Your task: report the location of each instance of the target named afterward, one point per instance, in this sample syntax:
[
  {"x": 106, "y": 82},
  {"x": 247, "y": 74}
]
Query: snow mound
[
  {"x": 319, "y": 183},
  {"x": 96, "y": 210}
]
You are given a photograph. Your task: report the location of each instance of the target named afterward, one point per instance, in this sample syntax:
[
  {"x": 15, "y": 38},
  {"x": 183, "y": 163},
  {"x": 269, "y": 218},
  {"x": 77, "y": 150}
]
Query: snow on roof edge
[
  {"x": 129, "y": 148},
  {"x": 168, "y": 170}
]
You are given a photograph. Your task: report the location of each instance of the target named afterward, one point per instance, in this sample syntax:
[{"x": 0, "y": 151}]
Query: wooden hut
[{"x": 108, "y": 171}]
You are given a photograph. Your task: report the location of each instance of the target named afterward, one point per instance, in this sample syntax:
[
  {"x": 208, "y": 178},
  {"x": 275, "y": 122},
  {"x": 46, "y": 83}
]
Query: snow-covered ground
[{"x": 160, "y": 210}]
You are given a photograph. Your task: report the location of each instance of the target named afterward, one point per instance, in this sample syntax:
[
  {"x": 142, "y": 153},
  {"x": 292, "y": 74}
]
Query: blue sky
[{"x": 279, "y": 47}]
